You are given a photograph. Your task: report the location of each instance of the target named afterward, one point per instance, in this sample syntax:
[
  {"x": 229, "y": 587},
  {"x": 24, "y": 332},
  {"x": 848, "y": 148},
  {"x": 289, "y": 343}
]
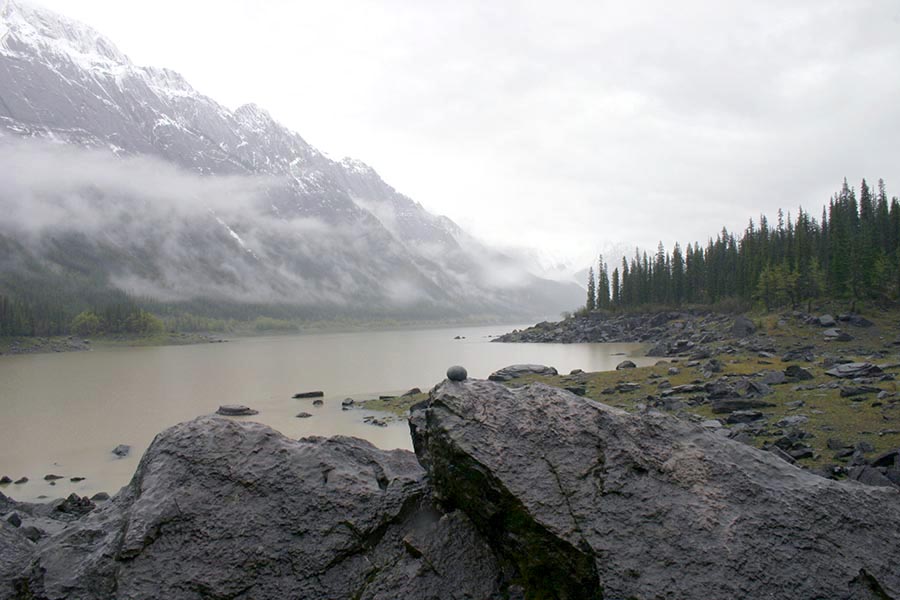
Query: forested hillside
[{"x": 851, "y": 252}]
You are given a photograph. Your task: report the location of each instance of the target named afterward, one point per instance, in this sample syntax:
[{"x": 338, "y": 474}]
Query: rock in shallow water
[
  {"x": 589, "y": 501},
  {"x": 122, "y": 450},
  {"x": 236, "y": 410}
]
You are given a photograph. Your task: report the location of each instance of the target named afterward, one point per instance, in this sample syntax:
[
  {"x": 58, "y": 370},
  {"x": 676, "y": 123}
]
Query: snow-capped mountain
[{"x": 115, "y": 172}]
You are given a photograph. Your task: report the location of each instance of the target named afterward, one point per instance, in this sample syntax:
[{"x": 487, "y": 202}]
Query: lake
[{"x": 64, "y": 413}]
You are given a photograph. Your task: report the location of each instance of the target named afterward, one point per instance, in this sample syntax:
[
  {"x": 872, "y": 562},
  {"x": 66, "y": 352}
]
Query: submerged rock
[
  {"x": 588, "y": 501},
  {"x": 225, "y": 509},
  {"x": 122, "y": 450}
]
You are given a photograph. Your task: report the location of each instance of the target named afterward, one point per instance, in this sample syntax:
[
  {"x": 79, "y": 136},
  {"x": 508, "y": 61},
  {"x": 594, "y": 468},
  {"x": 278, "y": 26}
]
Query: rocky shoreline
[
  {"x": 47, "y": 345},
  {"x": 513, "y": 492}
]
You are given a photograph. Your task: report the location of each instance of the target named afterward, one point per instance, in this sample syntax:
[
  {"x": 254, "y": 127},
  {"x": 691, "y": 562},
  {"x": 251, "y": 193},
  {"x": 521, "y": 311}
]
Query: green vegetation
[
  {"x": 398, "y": 405},
  {"x": 851, "y": 253},
  {"x": 861, "y": 418}
]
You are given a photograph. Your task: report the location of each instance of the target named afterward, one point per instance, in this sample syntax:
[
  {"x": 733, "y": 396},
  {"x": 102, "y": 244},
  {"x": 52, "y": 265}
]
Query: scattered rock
[
  {"x": 773, "y": 377},
  {"x": 742, "y": 327},
  {"x": 744, "y": 416},
  {"x": 730, "y": 405},
  {"x": 5, "y": 480},
  {"x": 122, "y": 450},
  {"x": 347, "y": 402},
  {"x": 854, "y": 391},
  {"x": 236, "y": 410},
  {"x": 76, "y": 479},
  {"x": 52, "y": 477},
  {"x": 797, "y": 373},
  {"x": 30, "y": 532},
  {"x": 457, "y": 373},
  {"x": 804, "y": 354},
  {"x": 20, "y": 481},
  {"x": 14, "y": 519},
  {"x": 625, "y": 364},
  {"x": 315, "y": 394},
  {"x": 827, "y": 321},
  {"x": 870, "y": 476},
  {"x": 414, "y": 391},
  {"x": 318, "y": 402},
  {"x": 75, "y": 505},
  {"x": 853, "y": 370},
  {"x": 793, "y": 421},
  {"x": 303, "y": 415},
  {"x": 515, "y": 371},
  {"x": 576, "y": 372},
  {"x": 100, "y": 497}
]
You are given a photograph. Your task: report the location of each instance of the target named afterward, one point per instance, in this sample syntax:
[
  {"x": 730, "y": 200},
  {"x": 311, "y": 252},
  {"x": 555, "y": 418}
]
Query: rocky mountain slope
[
  {"x": 531, "y": 492},
  {"x": 126, "y": 176}
]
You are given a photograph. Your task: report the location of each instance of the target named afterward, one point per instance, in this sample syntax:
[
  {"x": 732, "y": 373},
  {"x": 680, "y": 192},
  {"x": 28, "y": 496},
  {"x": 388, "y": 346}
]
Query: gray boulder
[
  {"x": 588, "y": 501},
  {"x": 626, "y": 364},
  {"x": 515, "y": 371},
  {"x": 827, "y": 321},
  {"x": 742, "y": 327},
  {"x": 225, "y": 509},
  {"x": 852, "y": 370}
]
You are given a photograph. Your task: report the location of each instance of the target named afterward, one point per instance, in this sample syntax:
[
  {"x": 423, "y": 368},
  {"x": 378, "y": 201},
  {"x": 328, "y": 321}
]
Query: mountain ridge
[{"x": 66, "y": 84}]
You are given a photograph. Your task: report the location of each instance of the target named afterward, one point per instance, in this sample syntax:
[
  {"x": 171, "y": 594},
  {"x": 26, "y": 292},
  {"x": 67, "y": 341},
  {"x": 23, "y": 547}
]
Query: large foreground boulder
[
  {"x": 221, "y": 509},
  {"x": 587, "y": 501}
]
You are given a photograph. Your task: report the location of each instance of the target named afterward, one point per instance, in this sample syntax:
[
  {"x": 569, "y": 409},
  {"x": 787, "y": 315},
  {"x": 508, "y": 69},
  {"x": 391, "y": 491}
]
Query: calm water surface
[{"x": 64, "y": 413}]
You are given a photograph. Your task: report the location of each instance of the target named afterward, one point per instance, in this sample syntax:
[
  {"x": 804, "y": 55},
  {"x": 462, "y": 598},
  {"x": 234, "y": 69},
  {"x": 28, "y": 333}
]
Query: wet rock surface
[
  {"x": 588, "y": 501},
  {"x": 221, "y": 509},
  {"x": 515, "y": 371},
  {"x": 531, "y": 492}
]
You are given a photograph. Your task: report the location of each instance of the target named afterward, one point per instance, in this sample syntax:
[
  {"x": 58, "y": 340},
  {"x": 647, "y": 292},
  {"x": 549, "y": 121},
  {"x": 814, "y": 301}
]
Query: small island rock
[{"x": 236, "y": 410}]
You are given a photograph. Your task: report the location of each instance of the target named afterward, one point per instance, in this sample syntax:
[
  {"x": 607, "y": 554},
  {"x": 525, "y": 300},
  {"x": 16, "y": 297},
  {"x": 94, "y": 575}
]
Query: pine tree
[{"x": 591, "y": 303}]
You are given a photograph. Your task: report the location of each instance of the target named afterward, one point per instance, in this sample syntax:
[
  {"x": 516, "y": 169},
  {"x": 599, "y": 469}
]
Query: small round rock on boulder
[{"x": 457, "y": 373}]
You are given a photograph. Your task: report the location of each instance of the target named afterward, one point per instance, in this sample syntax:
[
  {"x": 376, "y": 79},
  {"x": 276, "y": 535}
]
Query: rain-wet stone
[
  {"x": 516, "y": 371},
  {"x": 457, "y": 373},
  {"x": 227, "y": 509},
  {"x": 590, "y": 501},
  {"x": 122, "y": 450},
  {"x": 236, "y": 410}
]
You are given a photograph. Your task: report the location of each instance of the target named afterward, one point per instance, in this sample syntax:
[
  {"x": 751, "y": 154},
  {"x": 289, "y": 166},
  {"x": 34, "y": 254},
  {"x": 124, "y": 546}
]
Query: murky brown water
[{"x": 64, "y": 413}]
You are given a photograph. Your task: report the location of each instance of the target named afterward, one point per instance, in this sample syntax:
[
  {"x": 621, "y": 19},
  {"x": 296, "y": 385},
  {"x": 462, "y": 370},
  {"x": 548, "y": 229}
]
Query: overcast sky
[{"x": 568, "y": 126}]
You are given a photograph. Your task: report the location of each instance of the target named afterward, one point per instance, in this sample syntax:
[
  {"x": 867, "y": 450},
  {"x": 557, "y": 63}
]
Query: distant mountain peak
[
  {"x": 357, "y": 166},
  {"x": 23, "y": 23},
  {"x": 254, "y": 116}
]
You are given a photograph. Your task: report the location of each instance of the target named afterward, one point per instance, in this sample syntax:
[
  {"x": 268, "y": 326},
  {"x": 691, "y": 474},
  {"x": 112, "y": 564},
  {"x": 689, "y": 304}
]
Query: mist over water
[{"x": 64, "y": 413}]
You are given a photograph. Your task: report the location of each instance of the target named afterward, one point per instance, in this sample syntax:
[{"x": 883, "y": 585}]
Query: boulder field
[{"x": 531, "y": 492}]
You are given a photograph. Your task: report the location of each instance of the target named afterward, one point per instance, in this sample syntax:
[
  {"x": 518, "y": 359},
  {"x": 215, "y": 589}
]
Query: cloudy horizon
[{"x": 572, "y": 128}]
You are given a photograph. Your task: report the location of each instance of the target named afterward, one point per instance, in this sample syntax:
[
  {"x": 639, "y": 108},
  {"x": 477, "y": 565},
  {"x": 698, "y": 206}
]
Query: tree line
[
  {"x": 851, "y": 252},
  {"x": 20, "y": 318}
]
